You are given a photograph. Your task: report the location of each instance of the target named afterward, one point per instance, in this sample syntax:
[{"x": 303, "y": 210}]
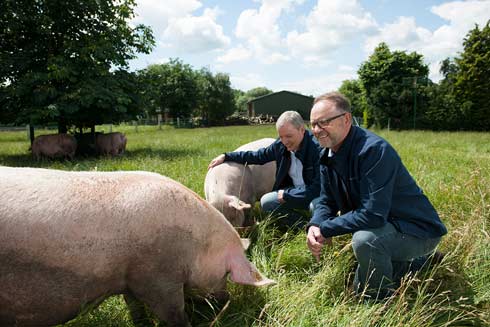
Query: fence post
[{"x": 135, "y": 123}]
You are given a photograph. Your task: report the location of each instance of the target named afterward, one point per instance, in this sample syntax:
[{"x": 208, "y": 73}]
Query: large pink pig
[
  {"x": 54, "y": 146},
  {"x": 113, "y": 144},
  {"x": 232, "y": 187},
  {"x": 68, "y": 239}
]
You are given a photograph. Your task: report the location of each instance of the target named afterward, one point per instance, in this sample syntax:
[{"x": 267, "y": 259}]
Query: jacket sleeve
[
  {"x": 378, "y": 170},
  {"x": 259, "y": 157}
]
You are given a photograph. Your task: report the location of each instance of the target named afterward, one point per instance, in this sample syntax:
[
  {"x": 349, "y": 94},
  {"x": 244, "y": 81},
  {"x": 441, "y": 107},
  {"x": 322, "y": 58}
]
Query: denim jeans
[
  {"x": 292, "y": 215},
  {"x": 384, "y": 256}
]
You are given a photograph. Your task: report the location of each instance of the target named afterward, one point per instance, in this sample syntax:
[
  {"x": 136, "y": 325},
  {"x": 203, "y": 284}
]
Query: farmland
[{"x": 453, "y": 169}]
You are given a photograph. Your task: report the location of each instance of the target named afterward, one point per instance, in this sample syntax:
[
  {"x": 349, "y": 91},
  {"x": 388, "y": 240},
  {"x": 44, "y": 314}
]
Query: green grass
[{"x": 452, "y": 168}]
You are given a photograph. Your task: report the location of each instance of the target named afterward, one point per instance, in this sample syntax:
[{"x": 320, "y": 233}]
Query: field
[{"x": 452, "y": 168}]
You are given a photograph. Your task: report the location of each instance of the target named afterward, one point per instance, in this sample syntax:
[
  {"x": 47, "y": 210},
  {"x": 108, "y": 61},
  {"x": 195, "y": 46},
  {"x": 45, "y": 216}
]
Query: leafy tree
[
  {"x": 356, "y": 94},
  {"x": 242, "y": 100},
  {"x": 170, "y": 87},
  {"x": 388, "y": 97},
  {"x": 444, "y": 112},
  {"x": 472, "y": 83},
  {"x": 216, "y": 97},
  {"x": 66, "y": 61}
]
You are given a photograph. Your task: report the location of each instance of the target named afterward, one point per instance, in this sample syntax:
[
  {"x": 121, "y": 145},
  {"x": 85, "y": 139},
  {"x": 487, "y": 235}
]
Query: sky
[{"x": 304, "y": 46}]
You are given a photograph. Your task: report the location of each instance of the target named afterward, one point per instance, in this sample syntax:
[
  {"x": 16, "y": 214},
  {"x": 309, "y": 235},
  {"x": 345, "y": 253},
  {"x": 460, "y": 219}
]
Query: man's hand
[
  {"x": 316, "y": 241},
  {"x": 280, "y": 196},
  {"x": 217, "y": 161}
]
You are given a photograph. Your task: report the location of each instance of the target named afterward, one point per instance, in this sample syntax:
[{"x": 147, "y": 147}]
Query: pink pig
[
  {"x": 232, "y": 187},
  {"x": 68, "y": 239}
]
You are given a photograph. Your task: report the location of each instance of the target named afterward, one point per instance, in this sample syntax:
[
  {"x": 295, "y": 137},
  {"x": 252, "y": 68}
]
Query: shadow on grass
[
  {"x": 163, "y": 153},
  {"x": 26, "y": 160},
  {"x": 21, "y": 160}
]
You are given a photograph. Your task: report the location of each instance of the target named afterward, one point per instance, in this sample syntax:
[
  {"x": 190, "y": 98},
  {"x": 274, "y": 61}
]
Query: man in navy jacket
[
  {"x": 296, "y": 153},
  {"x": 367, "y": 191}
]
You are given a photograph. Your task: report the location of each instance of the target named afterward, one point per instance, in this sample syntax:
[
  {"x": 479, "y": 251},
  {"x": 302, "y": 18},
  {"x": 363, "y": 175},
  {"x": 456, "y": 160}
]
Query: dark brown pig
[
  {"x": 54, "y": 146},
  {"x": 70, "y": 239},
  {"x": 113, "y": 144},
  {"x": 232, "y": 187}
]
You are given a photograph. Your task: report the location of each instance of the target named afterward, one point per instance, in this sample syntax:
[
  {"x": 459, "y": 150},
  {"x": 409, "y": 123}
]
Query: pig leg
[{"x": 166, "y": 300}]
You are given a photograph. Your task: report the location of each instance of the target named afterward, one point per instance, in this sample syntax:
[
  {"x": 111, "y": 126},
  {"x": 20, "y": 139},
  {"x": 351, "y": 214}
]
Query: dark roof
[{"x": 275, "y": 93}]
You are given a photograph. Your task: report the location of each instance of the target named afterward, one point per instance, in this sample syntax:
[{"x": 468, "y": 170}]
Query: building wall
[{"x": 275, "y": 104}]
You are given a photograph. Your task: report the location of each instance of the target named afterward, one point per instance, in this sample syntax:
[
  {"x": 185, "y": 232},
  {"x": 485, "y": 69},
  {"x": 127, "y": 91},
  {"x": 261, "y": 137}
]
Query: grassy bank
[{"x": 452, "y": 168}]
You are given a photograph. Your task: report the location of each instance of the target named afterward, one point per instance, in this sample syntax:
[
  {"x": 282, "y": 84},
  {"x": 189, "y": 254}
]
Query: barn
[{"x": 274, "y": 104}]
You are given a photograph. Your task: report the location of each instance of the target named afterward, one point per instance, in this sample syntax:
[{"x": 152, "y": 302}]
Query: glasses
[{"x": 325, "y": 122}]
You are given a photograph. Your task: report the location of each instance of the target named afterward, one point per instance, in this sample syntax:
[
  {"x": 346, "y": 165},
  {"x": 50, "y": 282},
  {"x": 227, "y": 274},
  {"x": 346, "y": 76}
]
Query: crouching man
[
  {"x": 394, "y": 227},
  {"x": 296, "y": 153}
]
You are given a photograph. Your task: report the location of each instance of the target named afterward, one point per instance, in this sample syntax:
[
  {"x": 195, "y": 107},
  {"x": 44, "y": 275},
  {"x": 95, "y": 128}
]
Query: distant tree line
[
  {"x": 67, "y": 62},
  {"x": 176, "y": 89},
  {"x": 394, "y": 88}
]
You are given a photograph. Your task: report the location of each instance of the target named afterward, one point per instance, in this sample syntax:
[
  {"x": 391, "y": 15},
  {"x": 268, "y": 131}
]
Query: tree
[
  {"x": 444, "y": 112},
  {"x": 170, "y": 87},
  {"x": 241, "y": 101},
  {"x": 65, "y": 61},
  {"x": 472, "y": 83},
  {"x": 216, "y": 99},
  {"x": 388, "y": 98},
  {"x": 356, "y": 94}
]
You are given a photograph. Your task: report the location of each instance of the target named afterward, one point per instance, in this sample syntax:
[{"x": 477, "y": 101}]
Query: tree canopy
[
  {"x": 390, "y": 78},
  {"x": 171, "y": 88},
  {"x": 65, "y": 61},
  {"x": 244, "y": 97},
  {"x": 472, "y": 83}
]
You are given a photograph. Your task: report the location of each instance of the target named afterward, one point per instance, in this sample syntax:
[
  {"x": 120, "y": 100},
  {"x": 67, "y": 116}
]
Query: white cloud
[
  {"x": 238, "y": 53},
  {"x": 196, "y": 33},
  {"x": 320, "y": 84},
  {"x": 247, "y": 81},
  {"x": 157, "y": 13},
  {"x": 175, "y": 26},
  {"x": 401, "y": 35},
  {"x": 331, "y": 24},
  {"x": 445, "y": 41},
  {"x": 260, "y": 31}
]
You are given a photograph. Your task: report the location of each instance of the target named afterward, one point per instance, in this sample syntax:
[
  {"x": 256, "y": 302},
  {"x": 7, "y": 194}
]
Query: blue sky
[{"x": 307, "y": 46}]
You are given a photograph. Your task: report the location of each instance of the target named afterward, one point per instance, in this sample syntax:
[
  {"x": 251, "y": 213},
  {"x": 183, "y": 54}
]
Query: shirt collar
[{"x": 328, "y": 156}]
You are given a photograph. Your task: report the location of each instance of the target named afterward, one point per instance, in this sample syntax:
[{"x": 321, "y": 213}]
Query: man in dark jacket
[
  {"x": 393, "y": 223},
  {"x": 296, "y": 153}
]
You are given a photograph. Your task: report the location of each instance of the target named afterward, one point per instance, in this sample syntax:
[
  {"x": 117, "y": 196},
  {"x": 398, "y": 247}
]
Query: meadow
[{"x": 452, "y": 168}]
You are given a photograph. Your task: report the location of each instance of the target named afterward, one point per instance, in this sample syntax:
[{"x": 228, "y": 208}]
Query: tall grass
[{"x": 452, "y": 168}]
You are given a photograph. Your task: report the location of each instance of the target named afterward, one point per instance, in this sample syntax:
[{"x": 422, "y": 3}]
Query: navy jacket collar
[
  {"x": 343, "y": 153},
  {"x": 301, "y": 152}
]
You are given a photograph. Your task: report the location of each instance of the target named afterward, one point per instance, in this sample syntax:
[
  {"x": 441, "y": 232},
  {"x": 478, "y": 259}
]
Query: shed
[{"x": 274, "y": 104}]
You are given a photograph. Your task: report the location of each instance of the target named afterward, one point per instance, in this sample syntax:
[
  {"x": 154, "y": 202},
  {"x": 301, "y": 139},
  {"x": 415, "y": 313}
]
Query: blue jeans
[
  {"x": 292, "y": 214},
  {"x": 384, "y": 256}
]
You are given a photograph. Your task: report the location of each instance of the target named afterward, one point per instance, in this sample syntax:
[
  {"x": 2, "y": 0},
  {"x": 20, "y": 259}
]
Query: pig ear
[
  {"x": 244, "y": 272},
  {"x": 234, "y": 202}
]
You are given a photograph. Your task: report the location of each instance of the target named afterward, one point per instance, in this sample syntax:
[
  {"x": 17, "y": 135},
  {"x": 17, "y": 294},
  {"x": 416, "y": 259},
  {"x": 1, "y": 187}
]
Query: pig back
[
  {"x": 263, "y": 176},
  {"x": 69, "y": 238},
  {"x": 54, "y": 145}
]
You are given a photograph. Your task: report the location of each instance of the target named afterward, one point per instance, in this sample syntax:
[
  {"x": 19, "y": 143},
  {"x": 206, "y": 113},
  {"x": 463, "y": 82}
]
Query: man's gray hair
[
  {"x": 340, "y": 100},
  {"x": 292, "y": 117}
]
